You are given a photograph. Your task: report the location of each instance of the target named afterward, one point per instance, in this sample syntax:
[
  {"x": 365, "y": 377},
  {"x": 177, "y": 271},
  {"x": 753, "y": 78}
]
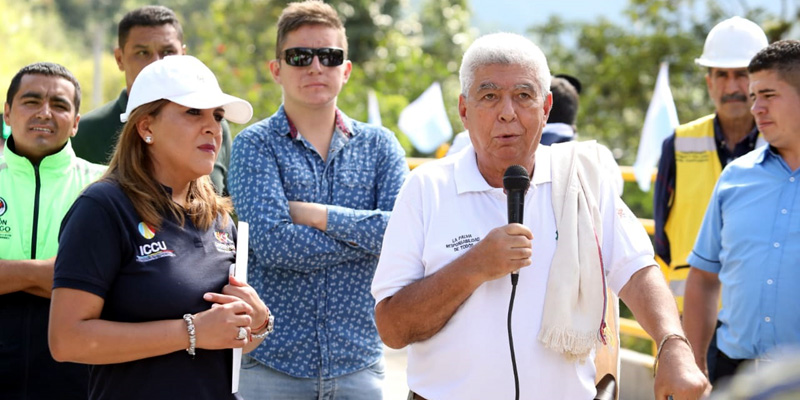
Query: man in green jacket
[
  {"x": 145, "y": 35},
  {"x": 40, "y": 177}
]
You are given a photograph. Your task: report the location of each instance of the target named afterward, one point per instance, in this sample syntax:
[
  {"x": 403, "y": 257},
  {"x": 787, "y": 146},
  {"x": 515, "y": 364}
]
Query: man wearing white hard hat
[
  {"x": 142, "y": 267},
  {"x": 692, "y": 158}
]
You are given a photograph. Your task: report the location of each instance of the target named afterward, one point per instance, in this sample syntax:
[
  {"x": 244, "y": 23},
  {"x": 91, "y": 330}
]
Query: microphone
[{"x": 516, "y": 182}]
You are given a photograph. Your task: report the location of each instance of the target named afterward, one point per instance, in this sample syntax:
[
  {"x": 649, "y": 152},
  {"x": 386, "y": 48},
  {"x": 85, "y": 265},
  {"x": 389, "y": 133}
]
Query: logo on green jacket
[{"x": 3, "y": 206}]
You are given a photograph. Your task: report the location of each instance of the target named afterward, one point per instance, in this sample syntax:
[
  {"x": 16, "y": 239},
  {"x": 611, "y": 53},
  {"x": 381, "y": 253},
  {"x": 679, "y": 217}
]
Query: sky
[{"x": 517, "y": 15}]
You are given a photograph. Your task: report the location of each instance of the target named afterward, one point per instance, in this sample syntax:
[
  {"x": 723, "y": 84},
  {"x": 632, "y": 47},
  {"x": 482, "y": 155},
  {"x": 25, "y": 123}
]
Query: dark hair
[
  {"x": 310, "y": 12},
  {"x": 147, "y": 16},
  {"x": 783, "y": 57},
  {"x": 47, "y": 69},
  {"x": 565, "y": 101}
]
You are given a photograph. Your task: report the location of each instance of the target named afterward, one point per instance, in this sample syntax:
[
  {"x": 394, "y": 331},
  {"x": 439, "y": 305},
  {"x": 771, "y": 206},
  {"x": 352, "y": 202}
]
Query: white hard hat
[{"x": 732, "y": 44}]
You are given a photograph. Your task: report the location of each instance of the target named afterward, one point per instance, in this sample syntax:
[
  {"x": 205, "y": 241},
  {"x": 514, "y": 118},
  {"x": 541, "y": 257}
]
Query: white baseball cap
[{"x": 184, "y": 80}]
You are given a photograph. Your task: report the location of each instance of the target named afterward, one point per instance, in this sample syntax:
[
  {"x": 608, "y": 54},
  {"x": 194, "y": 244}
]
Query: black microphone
[{"x": 516, "y": 182}]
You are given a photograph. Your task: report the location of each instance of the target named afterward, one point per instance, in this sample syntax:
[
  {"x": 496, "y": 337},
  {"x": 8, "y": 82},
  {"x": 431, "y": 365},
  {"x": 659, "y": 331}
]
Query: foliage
[
  {"x": 399, "y": 52},
  {"x": 234, "y": 39},
  {"x": 25, "y": 42},
  {"x": 618, "y": 63}
]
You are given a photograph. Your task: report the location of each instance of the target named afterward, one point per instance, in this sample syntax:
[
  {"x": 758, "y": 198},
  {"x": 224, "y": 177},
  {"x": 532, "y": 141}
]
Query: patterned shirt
[{"x": 316, "y": 283}]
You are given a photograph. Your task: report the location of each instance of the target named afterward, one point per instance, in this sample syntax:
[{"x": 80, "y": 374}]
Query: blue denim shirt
[
  {"x": 316, "y": 283},
  {"x": 751, "y": 237}
]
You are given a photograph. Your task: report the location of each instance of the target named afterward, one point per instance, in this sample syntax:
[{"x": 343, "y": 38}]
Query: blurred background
[{"x": 399, "y": 48}]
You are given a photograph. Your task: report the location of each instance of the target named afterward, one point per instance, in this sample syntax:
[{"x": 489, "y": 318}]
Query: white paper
[{"x": 240, "y": 273}]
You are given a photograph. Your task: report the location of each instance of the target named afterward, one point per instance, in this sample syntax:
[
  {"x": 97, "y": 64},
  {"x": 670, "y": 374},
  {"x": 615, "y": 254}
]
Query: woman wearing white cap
[{"x": 142, "y": 291}]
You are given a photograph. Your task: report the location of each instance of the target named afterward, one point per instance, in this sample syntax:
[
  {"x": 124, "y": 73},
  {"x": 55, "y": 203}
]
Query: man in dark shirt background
[{"x": 145, "y": 35}]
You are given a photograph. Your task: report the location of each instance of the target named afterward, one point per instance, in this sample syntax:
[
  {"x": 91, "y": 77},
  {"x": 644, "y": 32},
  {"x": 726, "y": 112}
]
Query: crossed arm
[
  {"x": 30, "y": 276},
  {"x": 305, "y": 236}
]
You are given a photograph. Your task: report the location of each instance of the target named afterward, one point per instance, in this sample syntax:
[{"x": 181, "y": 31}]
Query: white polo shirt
[{"x": 443, "y": 209}]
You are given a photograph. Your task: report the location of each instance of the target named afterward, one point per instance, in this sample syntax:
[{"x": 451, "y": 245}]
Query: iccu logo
[
  {"x": 150, "y": 248},
  {"x": 3, "y": 206}
]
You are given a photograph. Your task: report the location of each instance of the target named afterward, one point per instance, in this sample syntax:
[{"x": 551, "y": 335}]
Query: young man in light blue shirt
[{"x": 749, "y": 244}]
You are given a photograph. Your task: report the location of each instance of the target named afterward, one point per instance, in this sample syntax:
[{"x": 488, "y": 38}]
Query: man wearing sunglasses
[{"x": 317, "y": 189}]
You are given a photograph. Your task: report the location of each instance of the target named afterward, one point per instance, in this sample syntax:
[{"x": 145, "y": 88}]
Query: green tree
[
  {"x": 396, "y": 57},
  {"x": 618, "y": 64},
  {"x": 26, "y": 42},
  {"x": 421, "y": 49}
]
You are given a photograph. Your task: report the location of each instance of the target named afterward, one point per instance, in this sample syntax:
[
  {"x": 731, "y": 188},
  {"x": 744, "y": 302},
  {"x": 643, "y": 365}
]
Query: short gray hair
[{"x": 505, "y": 49}]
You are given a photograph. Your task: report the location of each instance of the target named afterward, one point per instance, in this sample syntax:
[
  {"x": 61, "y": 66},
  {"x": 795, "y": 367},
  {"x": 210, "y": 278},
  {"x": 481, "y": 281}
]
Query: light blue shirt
[{"x": 751, "y": 237}]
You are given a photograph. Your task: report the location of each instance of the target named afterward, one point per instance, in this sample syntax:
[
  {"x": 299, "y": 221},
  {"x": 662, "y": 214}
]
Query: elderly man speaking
[{"x": 442, "y": 285}]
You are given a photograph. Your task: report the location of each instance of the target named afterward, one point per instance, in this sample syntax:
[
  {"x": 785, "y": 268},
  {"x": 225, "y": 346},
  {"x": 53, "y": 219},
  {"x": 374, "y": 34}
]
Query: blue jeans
[{"x": 259, "y": 382}]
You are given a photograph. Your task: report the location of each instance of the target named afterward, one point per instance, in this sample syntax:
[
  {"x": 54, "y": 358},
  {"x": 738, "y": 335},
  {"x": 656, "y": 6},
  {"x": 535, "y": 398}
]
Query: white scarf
[{"x": 573, "y": 320}]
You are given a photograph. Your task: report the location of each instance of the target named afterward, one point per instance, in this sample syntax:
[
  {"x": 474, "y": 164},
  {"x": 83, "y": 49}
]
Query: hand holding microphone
[{"x": 507, "y": 248}]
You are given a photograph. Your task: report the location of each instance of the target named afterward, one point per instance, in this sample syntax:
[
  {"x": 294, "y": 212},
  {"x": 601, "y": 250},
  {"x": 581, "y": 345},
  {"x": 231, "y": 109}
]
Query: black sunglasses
[{"x": 304, "y": 56}]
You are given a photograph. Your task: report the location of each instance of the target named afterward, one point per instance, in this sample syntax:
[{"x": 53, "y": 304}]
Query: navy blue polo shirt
[{"x": 144, "y": 274}]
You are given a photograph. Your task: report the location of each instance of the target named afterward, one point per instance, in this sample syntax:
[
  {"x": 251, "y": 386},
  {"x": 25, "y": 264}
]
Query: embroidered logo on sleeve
[
  {"x": 462, "y": 242},
  {"x": 224, "y": 242}
]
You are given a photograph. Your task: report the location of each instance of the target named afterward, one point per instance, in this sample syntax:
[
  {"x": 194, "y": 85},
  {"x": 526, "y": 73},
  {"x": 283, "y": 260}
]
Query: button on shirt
[
  {"x": 751, "y": 238},
  {"x": 316, "y": 283}
]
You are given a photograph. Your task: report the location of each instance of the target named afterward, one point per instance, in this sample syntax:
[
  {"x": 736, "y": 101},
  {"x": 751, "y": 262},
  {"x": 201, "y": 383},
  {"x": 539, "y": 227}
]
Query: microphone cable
[{"x": 514, "y": 279}]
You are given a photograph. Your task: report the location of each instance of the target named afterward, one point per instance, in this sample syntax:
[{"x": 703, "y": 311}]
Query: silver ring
[{"x": 242, "y": 333}]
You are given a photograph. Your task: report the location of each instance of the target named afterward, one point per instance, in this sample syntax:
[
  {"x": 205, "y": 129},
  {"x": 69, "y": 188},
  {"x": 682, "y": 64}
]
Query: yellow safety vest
[{"x": 697, "y": 169}]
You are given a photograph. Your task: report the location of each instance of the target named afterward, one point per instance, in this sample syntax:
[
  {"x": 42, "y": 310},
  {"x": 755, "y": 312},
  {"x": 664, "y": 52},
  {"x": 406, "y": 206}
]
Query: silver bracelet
[
  {"x": 267, "y": 330},
  {"x": 189, "y": 318}
]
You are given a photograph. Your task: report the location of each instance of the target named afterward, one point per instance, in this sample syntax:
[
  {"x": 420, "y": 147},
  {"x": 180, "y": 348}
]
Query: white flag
[
  {"x": 660, "y": 121},
  {"x": 425, "y": 120},
  {"x": 373, "y": 111}
]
